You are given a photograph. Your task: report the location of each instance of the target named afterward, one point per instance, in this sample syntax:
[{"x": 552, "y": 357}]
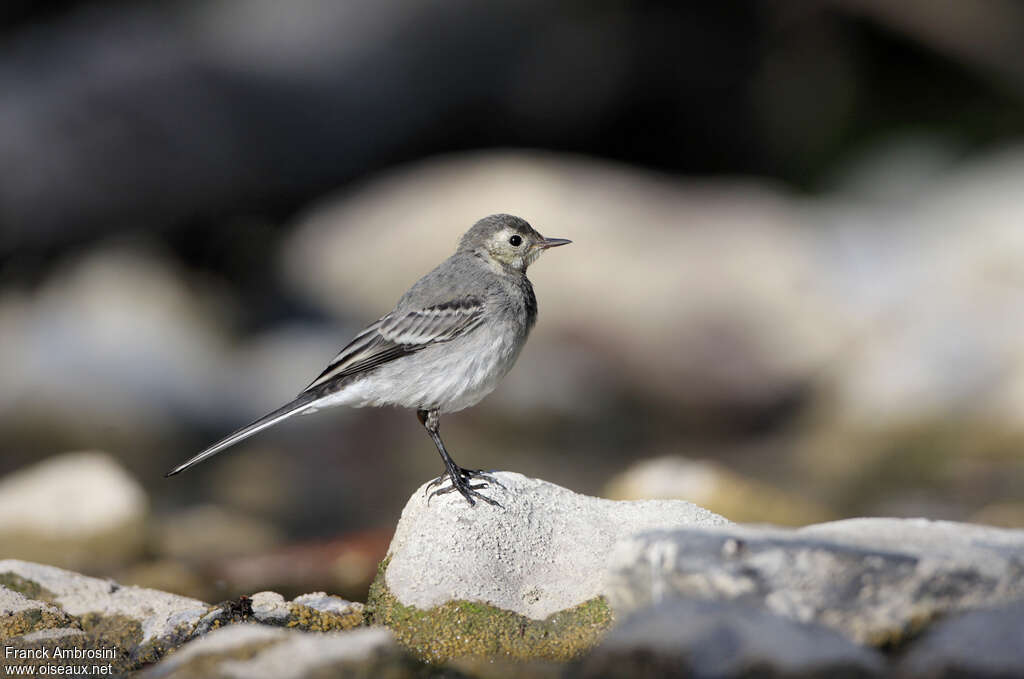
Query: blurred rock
[
  {"x": 207, "y": 532},
  {"x": 118, "y": 336},
  {"x": 257, "y": 651},
  {"x": 169, "y": 575},
  {"x": 870, "y": 327},
  {"x": 524, "y": 580},
  {"x": 714, "y": 487},
  {"x": 79, "y": 510},
  {"x": 1004, "y": 514},
  {"x": 876, "y": 581},
  {"x": 747, "y": 326},
  {"x": 684, "y": 638},
  {"x": 983, "y": 644},
  {"x": 347, "y": 564},
  {"x": 930, "y": 285}
]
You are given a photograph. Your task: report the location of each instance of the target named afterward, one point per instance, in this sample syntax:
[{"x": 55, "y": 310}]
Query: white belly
[{"x": 447, "y": 377}]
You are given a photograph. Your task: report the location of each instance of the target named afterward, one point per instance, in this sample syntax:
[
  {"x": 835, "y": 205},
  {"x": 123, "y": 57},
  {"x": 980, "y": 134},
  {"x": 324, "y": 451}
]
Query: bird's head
[{"x": 507, "y": 240}]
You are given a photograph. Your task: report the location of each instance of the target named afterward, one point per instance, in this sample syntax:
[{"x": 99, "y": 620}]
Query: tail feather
[{"x": 301, "y": 403}]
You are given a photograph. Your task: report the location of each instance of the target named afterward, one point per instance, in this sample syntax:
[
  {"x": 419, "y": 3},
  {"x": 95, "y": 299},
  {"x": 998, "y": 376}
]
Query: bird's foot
[
  {"x": 461, "y": 480},
  {"x": 466, "y": 475}
]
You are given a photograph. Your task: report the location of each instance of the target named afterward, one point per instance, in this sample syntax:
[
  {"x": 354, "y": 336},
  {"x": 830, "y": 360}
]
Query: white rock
[
  {"x": 269, "y": 606},
  {"x": 76, "y": 509},
  {"x": 544, "y": 550}
]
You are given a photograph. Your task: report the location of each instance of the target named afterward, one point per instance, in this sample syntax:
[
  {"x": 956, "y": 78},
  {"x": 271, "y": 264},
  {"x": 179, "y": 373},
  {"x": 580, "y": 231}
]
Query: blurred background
[{"x": 795, "y": 293}]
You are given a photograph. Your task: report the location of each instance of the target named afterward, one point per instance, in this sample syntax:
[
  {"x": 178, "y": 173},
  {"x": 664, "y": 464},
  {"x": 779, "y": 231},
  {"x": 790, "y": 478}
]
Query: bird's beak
[{"x": 552, "y": 243}]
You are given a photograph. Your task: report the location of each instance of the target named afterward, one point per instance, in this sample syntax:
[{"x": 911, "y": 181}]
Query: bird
[{"x": 446, "y": 345}]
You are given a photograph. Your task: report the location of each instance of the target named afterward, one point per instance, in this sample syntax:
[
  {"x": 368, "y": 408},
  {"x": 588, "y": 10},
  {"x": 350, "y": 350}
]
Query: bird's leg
[{"x": 460, "y": 478}]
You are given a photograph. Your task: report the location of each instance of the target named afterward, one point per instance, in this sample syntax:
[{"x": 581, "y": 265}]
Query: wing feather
[{"x": 401, "y": 333}]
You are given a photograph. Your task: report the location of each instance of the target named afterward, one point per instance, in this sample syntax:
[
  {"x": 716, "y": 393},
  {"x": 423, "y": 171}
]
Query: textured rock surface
[
  {"x": 496, "y": 577},
  {"x": 690, "y": 638},
  {"x": 984, "y": 644},
  {"x": 78, "y": 510},
  {"x": 43, "y": 607},
  {"x": 66, "y": 610},
  {"x": 148, "y": 615},
  {"x": 543, "y": 551},
  {"x": 877, "y": 581},
  {"x": 256, "y": 651},
  {"x": 20, "y": 614}
]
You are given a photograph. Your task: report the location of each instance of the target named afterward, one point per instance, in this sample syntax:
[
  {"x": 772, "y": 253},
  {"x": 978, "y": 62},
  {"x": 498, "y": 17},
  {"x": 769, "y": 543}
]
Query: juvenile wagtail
[{"x": 449, "y": 340}]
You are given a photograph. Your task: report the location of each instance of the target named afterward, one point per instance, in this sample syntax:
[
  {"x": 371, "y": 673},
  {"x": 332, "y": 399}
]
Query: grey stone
[
  {"x": 877, "y": 581},
  {"x": 982, "y": 644},
  {"x": 256, "y": 651},
  {"x": 543, "y": 551},
  {"x": 693, "y": 638}
]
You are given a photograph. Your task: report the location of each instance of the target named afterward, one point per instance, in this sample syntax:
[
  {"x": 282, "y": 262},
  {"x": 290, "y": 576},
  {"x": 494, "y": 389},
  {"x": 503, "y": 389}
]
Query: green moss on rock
[{"x": 461, "y": 629}]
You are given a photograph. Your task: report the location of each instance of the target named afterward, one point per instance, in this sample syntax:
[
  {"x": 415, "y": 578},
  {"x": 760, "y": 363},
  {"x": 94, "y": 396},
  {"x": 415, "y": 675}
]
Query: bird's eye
[{"x": 515, "y": 240}]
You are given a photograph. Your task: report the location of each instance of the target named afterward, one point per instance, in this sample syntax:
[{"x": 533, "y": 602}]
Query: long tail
[{"x": 301, "y": 403}]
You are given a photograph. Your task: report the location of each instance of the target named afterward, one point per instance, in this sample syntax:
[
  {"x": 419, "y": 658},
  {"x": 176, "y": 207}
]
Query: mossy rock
[
  {"x": 32, "y": 612},
  {"x": 29, "y": 588},
  {"x": 313, "y": 620},
  {"x": 32, "y": 620},
  {"x": 473, "y": 629}
]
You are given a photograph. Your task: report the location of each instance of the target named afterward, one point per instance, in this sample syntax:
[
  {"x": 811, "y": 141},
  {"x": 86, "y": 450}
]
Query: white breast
[{"x": 449, "y": 376}]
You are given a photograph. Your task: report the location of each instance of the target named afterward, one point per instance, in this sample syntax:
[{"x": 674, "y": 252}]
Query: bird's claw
[{"x": 460, "y": 480}]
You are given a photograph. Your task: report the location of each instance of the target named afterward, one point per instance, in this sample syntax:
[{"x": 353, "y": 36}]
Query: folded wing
[{"x": 401, "y": 333}]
